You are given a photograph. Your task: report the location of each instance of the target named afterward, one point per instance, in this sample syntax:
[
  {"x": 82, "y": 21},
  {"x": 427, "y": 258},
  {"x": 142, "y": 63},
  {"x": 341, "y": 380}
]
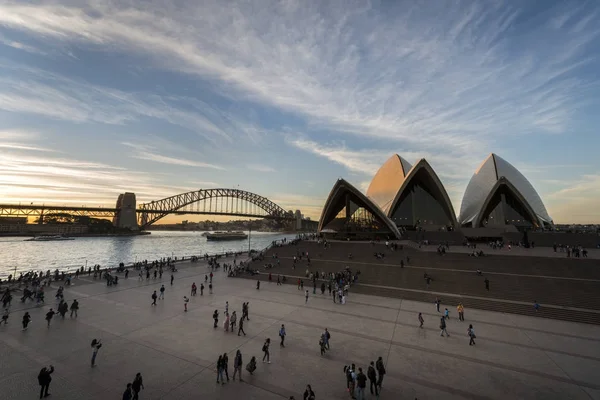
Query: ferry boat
[
  {"x": 227, "y": 236},
  {"x": 48, "y": 238}
]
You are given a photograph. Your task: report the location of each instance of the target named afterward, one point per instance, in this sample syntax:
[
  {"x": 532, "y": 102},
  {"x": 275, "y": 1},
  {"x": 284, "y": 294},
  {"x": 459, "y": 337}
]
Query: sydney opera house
[{"x": 404, "y": 197}]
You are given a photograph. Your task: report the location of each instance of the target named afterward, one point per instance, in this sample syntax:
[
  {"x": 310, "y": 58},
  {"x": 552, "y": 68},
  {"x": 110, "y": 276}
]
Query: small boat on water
[
  {"x": 226, "y": 236},
  {"x": 48, "y": 238}
]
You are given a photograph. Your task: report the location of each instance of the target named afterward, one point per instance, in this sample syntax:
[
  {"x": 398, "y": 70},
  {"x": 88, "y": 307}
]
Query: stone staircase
[{"x": 454, "y": 274}]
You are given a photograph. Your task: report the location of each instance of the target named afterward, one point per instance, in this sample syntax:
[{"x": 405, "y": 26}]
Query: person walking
[
  {"x": 361, "y": 384},
  {"x": 96, "y": 344},
  {"x": 372, "y": 375},
  {"x": 241, "y": 328},
  {"x": 251, "y": 367},
  {"x": 186, "y": 300},
  {"x": 437, "y": 304},
  {"x": 172, "y": 278},
  {"x": 461, "y": 312},
  {"x": 421, "y": 320},
  {"x": 237, "y": 365},
  {"x": 443, "y": 327},
  {"x": 216, "y": 318},
  {"x": 49, "y": 316},
  {"x": 44, "y": 379},
  {"x": 380, "y": 371},
  {"x": 5, "y": 316},
  {"x": 137, "y": 386},
  {"x": 220, "y": 371},
  {"x": 26, "y": 320},
  {"x": 309, "y": 394},
  {"x": 233, "y": 321},
  {"x": 306, "y": 297},
  {"x": 128, "y": 393},
  {"x": 487, "y": 284},
  {"x": 258, "y": 284},
  {"x": 226, "y": 323},
  {"x": 446, "y": 313},
  {"x": 74, "y": 308},
  {"x": 326, "y": 336},
  {"x": 154, "y": 296},
  {"x": 162, "y": 292},
  {"x": 471, "y": 333},
  {"x": 201, "y": 289},
  {"x": 210, "y": 287},
  {"x": 282, "y": 335},
  {"x": 265, "y": 350},
  {"x": 226, "y": 366}
]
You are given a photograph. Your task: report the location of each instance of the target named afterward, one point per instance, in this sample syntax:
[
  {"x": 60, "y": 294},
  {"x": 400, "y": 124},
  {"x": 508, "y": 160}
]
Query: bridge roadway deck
[{"x": 516, "y": 357}]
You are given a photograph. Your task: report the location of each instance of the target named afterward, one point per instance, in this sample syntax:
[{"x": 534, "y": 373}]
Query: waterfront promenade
[{"x": 516, "y": 357}]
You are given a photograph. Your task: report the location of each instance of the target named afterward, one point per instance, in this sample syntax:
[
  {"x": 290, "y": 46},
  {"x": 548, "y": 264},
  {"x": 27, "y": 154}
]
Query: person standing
[
  {"x": 233, "y": 321},
  {"x": 172, "y": 278},
  {"x": 186, "y": 300},
  {"x": 258, "y": 284},
  {"x": 154, "y": 296},
  {"x": 361, "y": 384},
  {"x": 5, "y": 317},
  {"x": 306, "y": 297},
  {"x": 74, "y": 308},
  {"x": 210, "y": 287},
  {"x": 137, "y": 386},
  {"x": 372, "y": 375},
  {"x": 44, "y": 379},
  {"x": 471, "y": 333},
  {"x": 237, "y": 365},
  {"x": 201, "y": 289},
  {"x": 162, "y": 292},
  {"x": 443, "y": 327},
  {"x": 421, "y": 320},
  {"x": 26, "y": 320},
  {"x": 49, "y": 316},
  {"x": 437, "y": 304},
  {"x": 461, "y": 312},
  {"x": 96, "y": 344},
  {"x": 194, "y": 288},
  {"x": 265, "y": 350},
  {"x": 487, "y": 284}
]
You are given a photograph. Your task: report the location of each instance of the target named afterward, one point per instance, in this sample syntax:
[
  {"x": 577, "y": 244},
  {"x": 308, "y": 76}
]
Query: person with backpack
[
  {"x": 96, "y": 344},
  {"x": 237, "y": 365},
  {"x": 471, "y": 333},
  {"x": 265, "y": 350},
  {"x": 282, "y": 335},
  {"x": 372, "y": 375},
  {"x": 44, "y": 379}
]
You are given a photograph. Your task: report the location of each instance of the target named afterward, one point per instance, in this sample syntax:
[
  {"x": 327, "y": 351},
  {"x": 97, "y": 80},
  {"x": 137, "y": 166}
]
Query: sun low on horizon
[{"x": 101, "y": 98}]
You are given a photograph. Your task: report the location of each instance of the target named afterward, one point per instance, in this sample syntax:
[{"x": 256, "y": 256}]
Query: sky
[{"x": 282, "y": 98}]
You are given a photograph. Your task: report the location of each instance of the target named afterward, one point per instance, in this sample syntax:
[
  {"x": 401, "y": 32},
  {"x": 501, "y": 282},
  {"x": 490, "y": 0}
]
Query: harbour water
[{"x": 19, "y": 255}]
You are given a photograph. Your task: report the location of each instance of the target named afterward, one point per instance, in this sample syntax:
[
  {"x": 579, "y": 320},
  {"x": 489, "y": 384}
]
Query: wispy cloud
[
  {"x": 17, "y": 146},
  {"x": 143, "y": 152},
  {"x": 433, "y": 87},
  {"x": 260, "y": 168},
  {"x": 20, "y": 46}
]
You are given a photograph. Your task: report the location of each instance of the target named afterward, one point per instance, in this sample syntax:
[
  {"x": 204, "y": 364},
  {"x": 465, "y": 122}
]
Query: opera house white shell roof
[
  {"x": 493, "y": 171},
  {"x": 387, "y": 182}
]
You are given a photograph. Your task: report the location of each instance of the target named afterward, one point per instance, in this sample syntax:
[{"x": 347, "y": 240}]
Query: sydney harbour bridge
[{"x": 128, "y": 214}]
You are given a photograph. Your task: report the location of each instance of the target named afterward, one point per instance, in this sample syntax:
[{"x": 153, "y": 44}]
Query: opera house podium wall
[{"x": 567, "y": 288}]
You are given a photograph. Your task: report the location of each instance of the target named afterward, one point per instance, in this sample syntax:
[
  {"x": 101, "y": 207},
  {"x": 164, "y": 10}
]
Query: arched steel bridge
[{"x": 230, "y": 202}]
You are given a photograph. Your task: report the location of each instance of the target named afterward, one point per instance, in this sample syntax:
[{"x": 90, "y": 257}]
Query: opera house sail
[
  {"x": 499, "y": 195},
  {"x": 347, "y": 211},
  {"x": 387, "y": 182},
  {"x": 421, "y": 202}
]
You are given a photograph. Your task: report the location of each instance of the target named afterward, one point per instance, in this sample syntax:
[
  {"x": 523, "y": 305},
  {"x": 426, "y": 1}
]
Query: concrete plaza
[{"x": 516, "y": 357}]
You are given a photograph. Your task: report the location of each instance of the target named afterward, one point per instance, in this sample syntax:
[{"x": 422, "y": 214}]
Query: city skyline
[{"x": 99, "y": 98}]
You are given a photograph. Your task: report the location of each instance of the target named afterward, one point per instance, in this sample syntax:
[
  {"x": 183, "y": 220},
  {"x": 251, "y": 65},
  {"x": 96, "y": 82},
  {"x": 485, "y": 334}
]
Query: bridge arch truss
[{"x": 234, "y": 202}]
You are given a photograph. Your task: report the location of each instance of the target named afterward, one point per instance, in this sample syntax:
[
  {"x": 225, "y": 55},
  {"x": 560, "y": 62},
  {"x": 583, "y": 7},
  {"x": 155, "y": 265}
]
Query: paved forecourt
[{"x": 515, "y": 356}]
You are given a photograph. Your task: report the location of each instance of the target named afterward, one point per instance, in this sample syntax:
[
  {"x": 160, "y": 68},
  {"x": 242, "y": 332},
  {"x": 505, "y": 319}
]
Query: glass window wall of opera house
[{"x": 404, "y": 197}]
